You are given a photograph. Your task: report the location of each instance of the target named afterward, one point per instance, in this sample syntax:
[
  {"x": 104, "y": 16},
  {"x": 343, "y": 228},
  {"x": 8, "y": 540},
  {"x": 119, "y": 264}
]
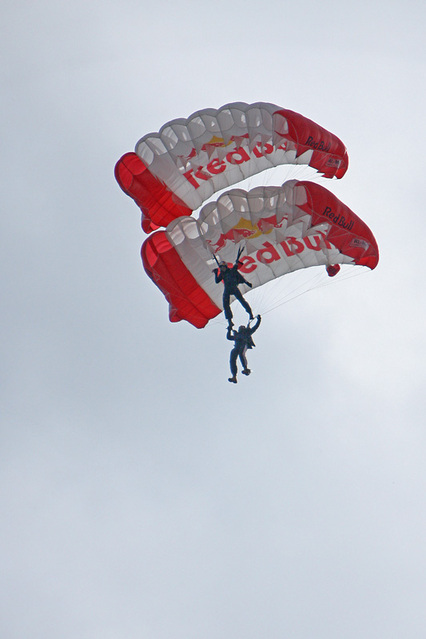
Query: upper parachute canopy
[
  {"x": 177, "y": 169},
  {"x": 282, "y": 229}
]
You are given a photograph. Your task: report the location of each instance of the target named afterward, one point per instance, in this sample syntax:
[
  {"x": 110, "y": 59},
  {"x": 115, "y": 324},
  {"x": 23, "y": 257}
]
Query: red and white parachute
[
  {"x": 282, "y": 229},
  {"x": 173, "y": 172}
]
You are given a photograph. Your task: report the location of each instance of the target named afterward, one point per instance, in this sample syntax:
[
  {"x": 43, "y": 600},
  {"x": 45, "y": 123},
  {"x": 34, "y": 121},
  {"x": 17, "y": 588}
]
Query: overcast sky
[{"x": 142, "y": 495}]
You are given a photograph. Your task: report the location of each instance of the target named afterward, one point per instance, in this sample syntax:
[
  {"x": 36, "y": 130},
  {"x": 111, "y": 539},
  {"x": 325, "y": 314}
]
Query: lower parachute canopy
[{"x": 281, "y": 229}]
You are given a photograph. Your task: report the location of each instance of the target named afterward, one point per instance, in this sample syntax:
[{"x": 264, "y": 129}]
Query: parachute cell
[
  {"x": 177, "y": 169},
  {"x": 282, "y": 229}
]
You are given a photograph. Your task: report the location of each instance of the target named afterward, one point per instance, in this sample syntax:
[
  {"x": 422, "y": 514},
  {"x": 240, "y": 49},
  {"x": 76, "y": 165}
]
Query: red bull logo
[
  {"x": 237, "y": 156},
  {"x": 214, "y": 142},
  {"x": 245, "y": 230},
  {"x": 288, "y": 248}
]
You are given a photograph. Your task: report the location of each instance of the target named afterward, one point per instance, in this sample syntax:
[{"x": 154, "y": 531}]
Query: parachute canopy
[
  {"x": 175, "y": 170},
  {"x": 282, "y": 229}
]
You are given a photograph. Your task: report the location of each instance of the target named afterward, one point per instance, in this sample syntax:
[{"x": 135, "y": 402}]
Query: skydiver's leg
[
  {"x": 227, "y": 305},
  {"x": 238, "y": 295},
  {"x": 233, "y": 361},
  {"x": 233, "y": 365},
  {"x": 243, "y": 360}
]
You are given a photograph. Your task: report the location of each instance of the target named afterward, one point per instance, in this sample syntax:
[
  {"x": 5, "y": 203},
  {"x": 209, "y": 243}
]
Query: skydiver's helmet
[
  {"x": 223, "y": 264},
  {"x": 242, "y": 329}
]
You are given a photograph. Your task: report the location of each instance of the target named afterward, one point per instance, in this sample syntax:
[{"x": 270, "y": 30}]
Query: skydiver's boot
[
  {"x": 246, "y": 371},
  {"x": 233, "y": 379}
]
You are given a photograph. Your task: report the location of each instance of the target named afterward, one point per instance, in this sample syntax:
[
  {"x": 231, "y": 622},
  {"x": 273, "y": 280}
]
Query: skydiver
[
  {"x": 243, "y": 341},
  {"x": 231, "y": 278}
]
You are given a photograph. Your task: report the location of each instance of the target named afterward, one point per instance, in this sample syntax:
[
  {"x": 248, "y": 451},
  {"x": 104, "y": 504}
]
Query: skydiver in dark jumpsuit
[
  {"x": 243, "y": 341},
  {"x": 231, "y": 279}
]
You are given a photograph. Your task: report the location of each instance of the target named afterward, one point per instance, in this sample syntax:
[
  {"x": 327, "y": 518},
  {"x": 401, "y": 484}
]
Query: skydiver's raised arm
[
  {"x": 230, "y": 334},
  {"x": 256, "y": 326}
]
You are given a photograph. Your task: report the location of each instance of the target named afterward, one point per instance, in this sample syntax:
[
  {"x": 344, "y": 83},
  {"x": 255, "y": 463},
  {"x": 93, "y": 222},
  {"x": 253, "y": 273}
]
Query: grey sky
[{"x": 142, "y": 495}]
